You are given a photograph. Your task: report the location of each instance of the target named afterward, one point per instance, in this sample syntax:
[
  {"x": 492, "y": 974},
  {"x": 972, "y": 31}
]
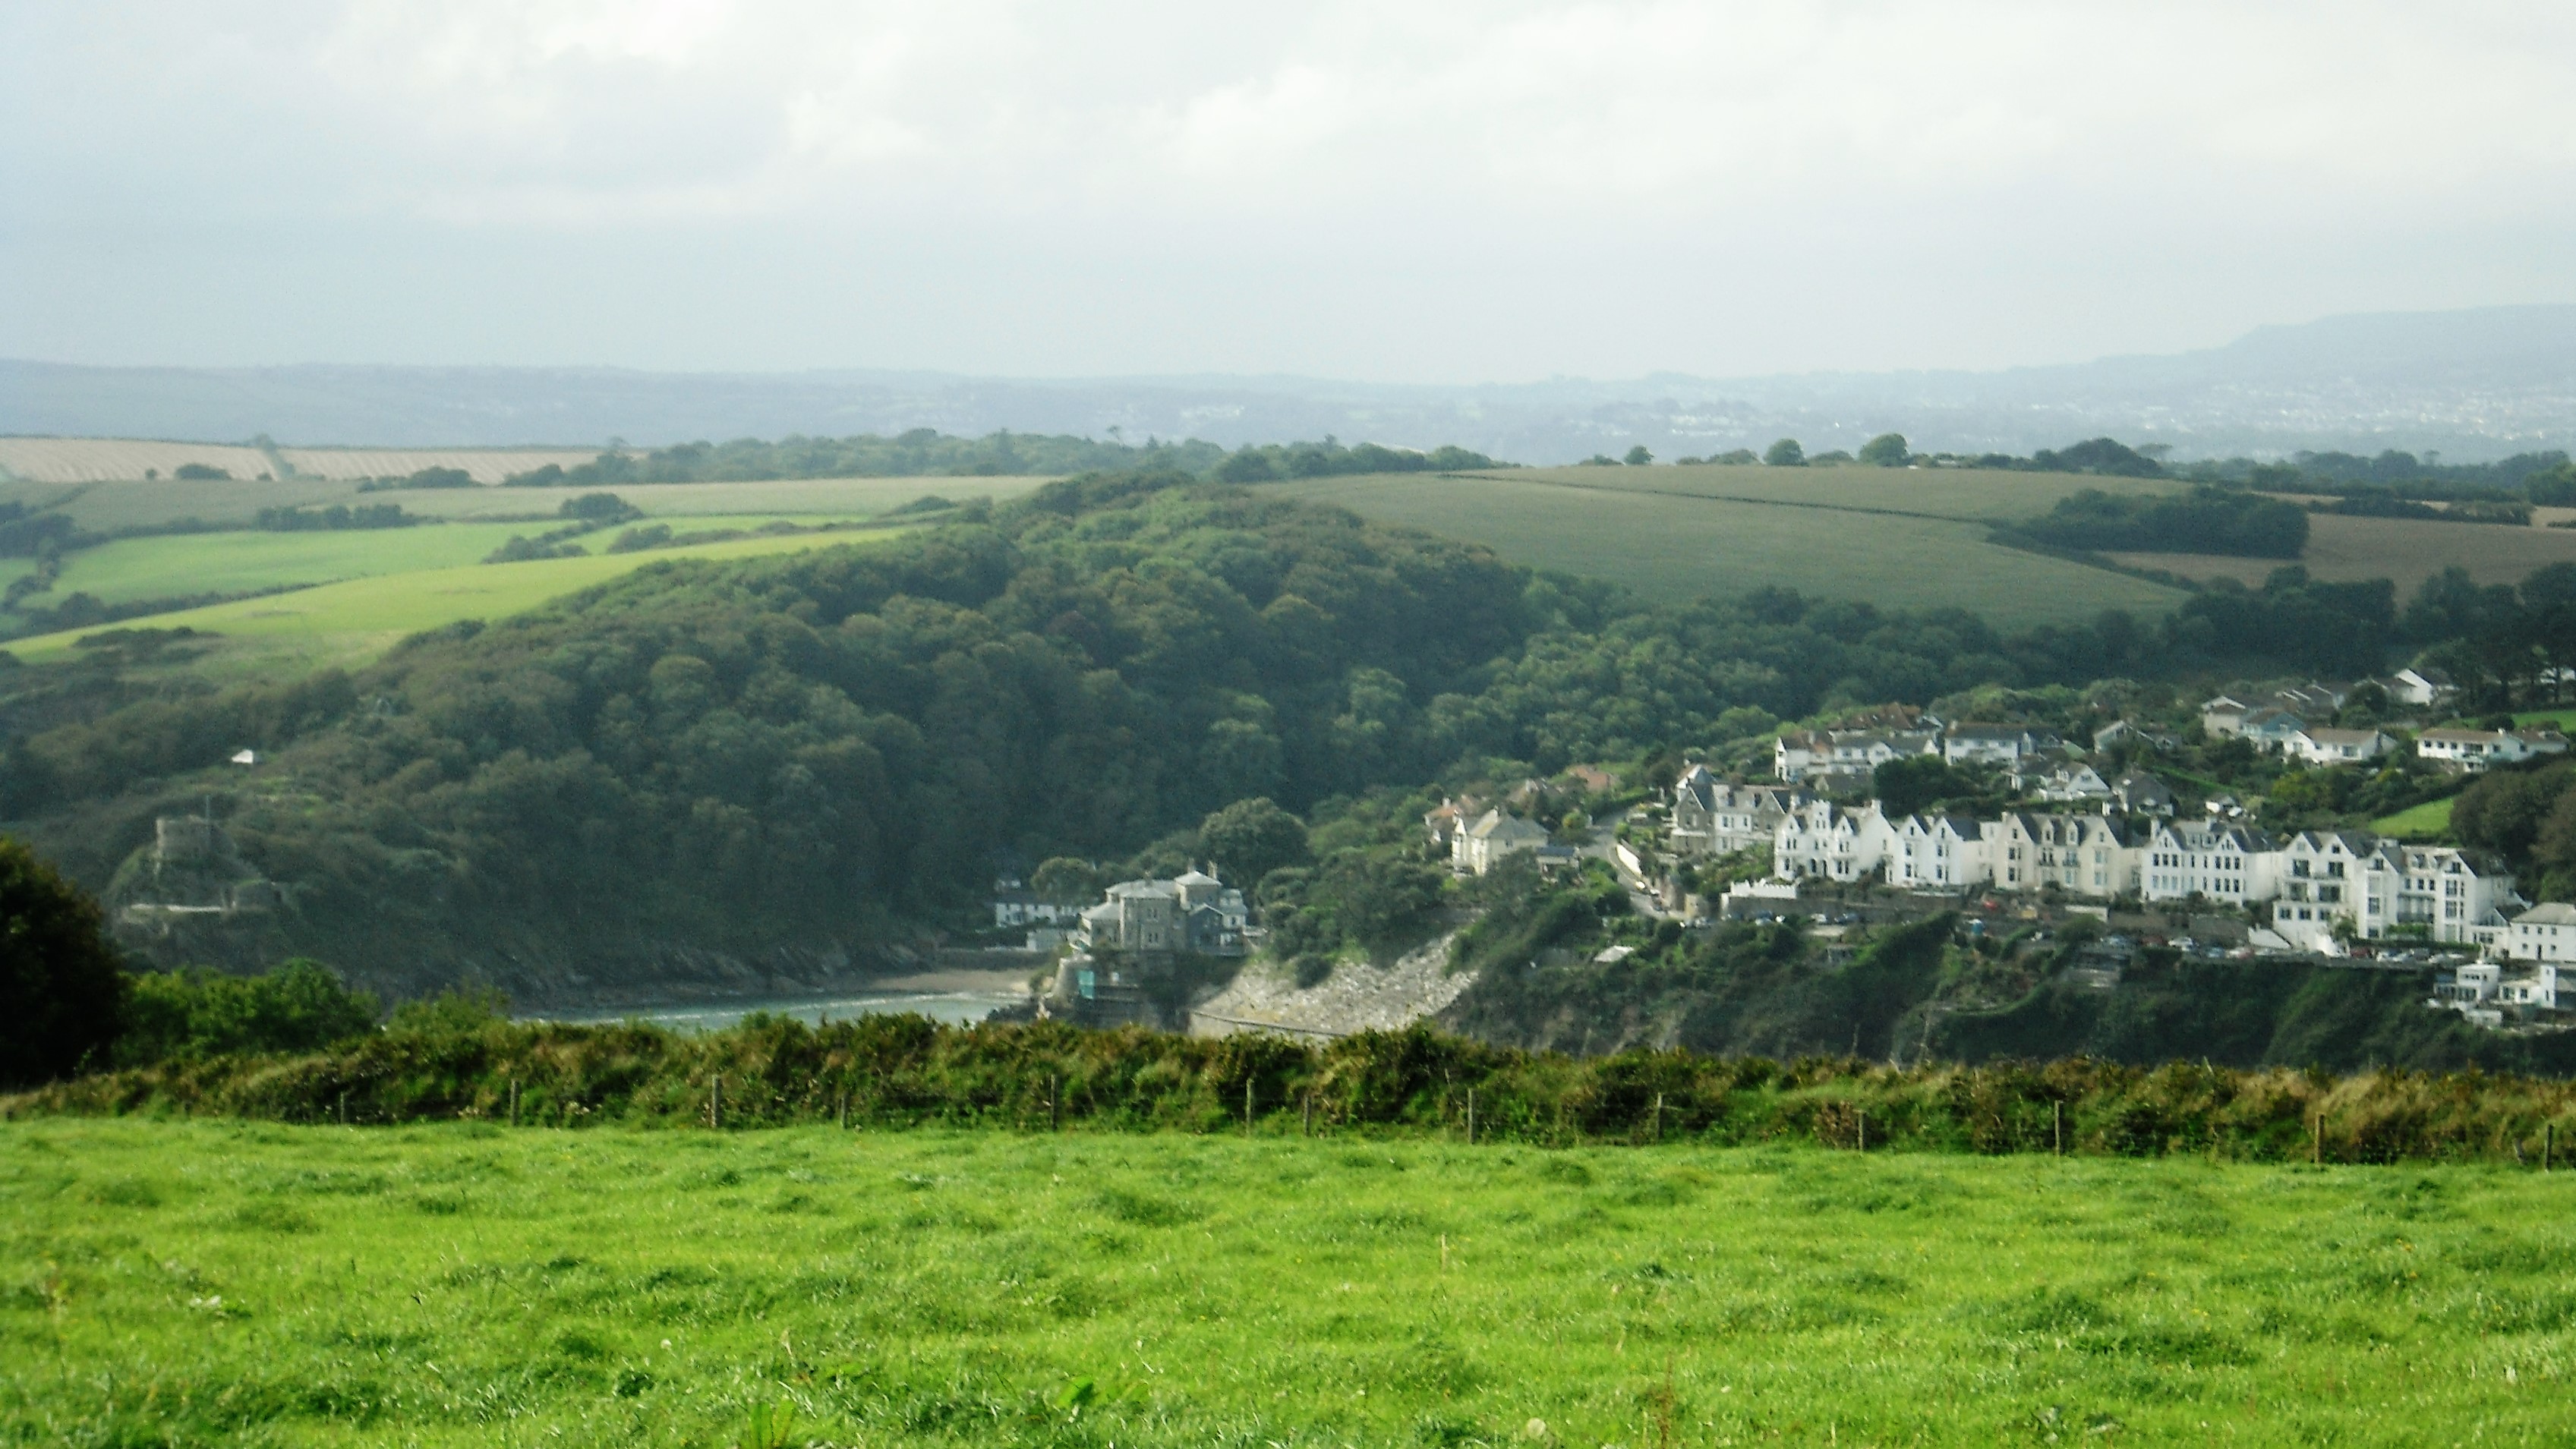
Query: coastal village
[{"x": 2093, "y": 829}]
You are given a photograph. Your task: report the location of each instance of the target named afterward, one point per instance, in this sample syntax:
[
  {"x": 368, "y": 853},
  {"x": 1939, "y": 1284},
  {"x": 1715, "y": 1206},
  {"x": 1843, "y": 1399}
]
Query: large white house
[
  {"x": 2474, "y": 750},
  {"x": 1996, "y": 744},
  {"x": 2086, "y": 855},
  {"x": 2321, "y": 746},
  {"x": 2543, "y": 933},
  {"x": 2382, "y": 890},
  {"x": 1938, "y": 852},
  {"x": 1830, "y": 842},
  {"x": 2222, "y": 862}
]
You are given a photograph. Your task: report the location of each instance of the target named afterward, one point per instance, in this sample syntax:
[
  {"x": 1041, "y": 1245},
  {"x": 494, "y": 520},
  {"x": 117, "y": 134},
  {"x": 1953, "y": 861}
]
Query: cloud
[{"x": 2141, "y": 171}]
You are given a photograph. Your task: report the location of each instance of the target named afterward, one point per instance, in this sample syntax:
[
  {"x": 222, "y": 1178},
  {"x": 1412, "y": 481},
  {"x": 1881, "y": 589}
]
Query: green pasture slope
[
  {"x": 350, "y": 623},
  {"x": 1898, "y": 538},
  {"x": 218, "y": 1283}
]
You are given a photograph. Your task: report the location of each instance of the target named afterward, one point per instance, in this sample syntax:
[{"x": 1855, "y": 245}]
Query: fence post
[
  {"x": 2057, "y": 1128},
  {"x": 344, "y": 1106},
  {"x": 514, "y": 1101},
  {"x": 1659, "y": 1116},
  {"x": 1864, "y": 1129},
  {"x": 1247, "y": 1106},
  {"x": 841, "y": 1112},
  {"x": 2548, "y": 1143},
  {"x": 715, "y": 1102},
  {"x": 1055, "y": 1103},
  {"x": 2317, "y": 1143},
  {"x": 1471, "y": 1116},
  {"x": 1308, "y": 1125}
]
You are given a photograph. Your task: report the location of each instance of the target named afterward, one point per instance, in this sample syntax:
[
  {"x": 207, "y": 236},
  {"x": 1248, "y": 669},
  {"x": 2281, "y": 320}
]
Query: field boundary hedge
[{"x": 895, "y": 1072}]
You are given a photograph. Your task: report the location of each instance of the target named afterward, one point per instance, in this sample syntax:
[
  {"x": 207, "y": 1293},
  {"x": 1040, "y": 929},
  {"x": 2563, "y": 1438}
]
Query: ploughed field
[{"x": 213, "y": 1283}]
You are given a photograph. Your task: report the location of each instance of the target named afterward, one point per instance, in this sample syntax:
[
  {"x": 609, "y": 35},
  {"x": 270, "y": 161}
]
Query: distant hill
[{"x": 2471, "y": 385}]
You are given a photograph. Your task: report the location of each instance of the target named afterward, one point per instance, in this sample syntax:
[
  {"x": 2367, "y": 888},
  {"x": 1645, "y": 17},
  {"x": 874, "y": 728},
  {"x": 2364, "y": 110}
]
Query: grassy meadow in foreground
[{"x": 213, "y": 1283}]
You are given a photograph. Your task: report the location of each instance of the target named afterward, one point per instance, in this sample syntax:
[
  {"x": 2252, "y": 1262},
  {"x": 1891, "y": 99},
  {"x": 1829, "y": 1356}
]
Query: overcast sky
[{"x": 1434, "y": 192}]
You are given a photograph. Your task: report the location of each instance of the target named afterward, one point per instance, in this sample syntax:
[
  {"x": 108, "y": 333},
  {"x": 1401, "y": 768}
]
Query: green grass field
[
  {"x": 204, "y": 1283},
  {"x": 349, "y": 623},
  {"x": 2428, "y": 821},
  {"x": 157, "y": 567},
  {"x": 1673, "y": 534}
]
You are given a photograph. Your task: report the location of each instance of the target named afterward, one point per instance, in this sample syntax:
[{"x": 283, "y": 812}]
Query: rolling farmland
[
  {"x": 1883, "y": 536},
  {"x": 97, "y": 460}
]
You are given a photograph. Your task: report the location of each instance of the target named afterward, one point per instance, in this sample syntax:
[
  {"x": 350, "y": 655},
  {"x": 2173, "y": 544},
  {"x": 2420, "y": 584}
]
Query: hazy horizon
[{"x": 1435, "y": 194}]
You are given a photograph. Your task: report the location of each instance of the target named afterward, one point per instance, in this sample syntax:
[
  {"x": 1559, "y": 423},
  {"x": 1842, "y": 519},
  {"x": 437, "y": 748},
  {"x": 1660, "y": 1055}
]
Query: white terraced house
[
  {"x": 2232, "y": 863},
  {"x": 2441, "y": 892},
  {"x": 1831, "y": 843},
  {"x": 1938, "y": 852},
  {"x": 2325, "y": 880},
  {"x": 2086, "y": 855},
  {"x": 2543, "y": 933},
  {"x": 1713, "y": 817},
  {"x": 2474, "y": 750}
]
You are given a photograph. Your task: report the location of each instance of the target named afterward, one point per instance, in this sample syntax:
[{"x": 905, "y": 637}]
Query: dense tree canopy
[{"x": 61, "y": 995}]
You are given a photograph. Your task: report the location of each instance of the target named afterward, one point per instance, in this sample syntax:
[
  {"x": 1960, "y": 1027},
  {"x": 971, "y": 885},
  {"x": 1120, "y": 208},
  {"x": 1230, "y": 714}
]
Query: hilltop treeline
[
  {"x": 800, "y": 754},
  {"x": 903, "y": 1071},
  {"x": 927, "y": 452},
  {"x": 2205, "y": 520}
]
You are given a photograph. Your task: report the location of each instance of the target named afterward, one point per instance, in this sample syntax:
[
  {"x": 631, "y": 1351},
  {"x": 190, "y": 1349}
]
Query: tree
[
  {"x": 62, "y": 997},
  {"x": 1638, "y": 457},
  {"x": 1785, "y": 454},
  {"x": 1910, "y": 782},
  {"x": 1887, "y": 450},
  {"x": 1065, "y": 881},
  {"x": 1249, "y": 839}
]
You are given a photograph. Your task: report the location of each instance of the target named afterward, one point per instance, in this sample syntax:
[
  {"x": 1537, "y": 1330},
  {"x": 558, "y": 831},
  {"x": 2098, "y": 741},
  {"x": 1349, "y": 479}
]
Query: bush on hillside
[{"x": 186, "y": 1015}]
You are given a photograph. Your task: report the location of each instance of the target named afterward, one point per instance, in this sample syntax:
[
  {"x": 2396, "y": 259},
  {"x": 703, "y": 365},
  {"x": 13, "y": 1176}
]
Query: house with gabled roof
[
  {"x": 2270, "y": 729},
  {"x": 1938, "y": 852},
  {"x": 1831, "y": 842},
  {"x": 2086, "y": 855},
  {"x": 1492, "y": 836},
  {"x": 2139, "y": 793},
  {"x": 2216, "y": 860},
  {"x": 1712, "y": 816},
  {"x": 2320, "y": 745},
  {"x": 2223, "y": 717}
]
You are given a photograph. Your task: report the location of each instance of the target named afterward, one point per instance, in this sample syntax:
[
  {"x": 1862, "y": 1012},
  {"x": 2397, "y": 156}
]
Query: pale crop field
[
  {"x": 213, "y": 1283},
  {"x": 92, "y": 460},
  {"x": 1673, "y": 534},
  {"x": 106, "y": 507},
  {"x": 2407, "y": 550},
  {"x": 483, "y": 465}
]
